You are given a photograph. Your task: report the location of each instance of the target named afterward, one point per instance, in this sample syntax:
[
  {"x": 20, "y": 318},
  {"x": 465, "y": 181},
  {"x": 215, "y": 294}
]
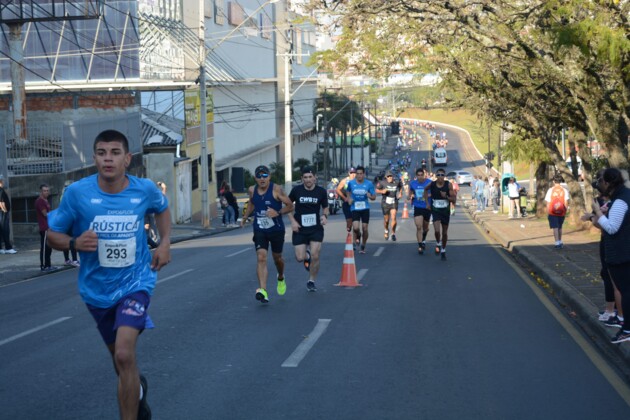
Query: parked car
[{"x": 461, "y": 177}]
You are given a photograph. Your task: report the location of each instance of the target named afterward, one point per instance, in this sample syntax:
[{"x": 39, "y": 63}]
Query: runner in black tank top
[{"x": 441, "y": 194}]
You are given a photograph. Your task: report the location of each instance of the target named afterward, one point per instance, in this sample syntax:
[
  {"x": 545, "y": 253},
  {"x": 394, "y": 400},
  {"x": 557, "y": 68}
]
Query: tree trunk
[{"x": 542, "y": 184}]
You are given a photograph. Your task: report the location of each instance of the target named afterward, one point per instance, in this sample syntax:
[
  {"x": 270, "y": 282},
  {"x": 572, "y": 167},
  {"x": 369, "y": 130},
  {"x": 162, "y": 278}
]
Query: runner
[
  {"x": 265, "y": 201},
  {"x": 421, "y": 212},
  {"x": 342, "y": 187},
  {"x": 360, "y": 190},
  {"x": 105, "y": 213},
  {"x": 441, "y": 193},
  {"x": 308, "y": 224},
  {"x": 391, "y": 192}
]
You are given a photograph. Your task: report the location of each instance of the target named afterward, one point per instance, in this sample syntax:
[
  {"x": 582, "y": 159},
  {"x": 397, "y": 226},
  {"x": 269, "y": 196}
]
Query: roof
[{"x": 159, "y": 129}]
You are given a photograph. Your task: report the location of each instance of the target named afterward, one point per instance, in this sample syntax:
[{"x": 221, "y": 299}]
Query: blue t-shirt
[
  {"x": 122, "y": 263},
  {"x": 418, "y": 191},
  {"x": 359, "y": 193}
]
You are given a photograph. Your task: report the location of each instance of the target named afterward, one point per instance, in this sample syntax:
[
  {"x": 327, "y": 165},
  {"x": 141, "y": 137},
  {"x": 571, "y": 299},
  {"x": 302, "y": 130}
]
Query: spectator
[
  {"x": 512, "y": 188},
  {"x": 486, "y": 193},
  {"x": 74, "y": 262},
  {"x": 230, "y": 210},
  {"x": 557, "y": 199},
  {"x": 42, "y": 207},
  {"x": 479, "y": 188},
  {"x": 5, "y": 218},
  {"x": 495, "y": 196},
  {"x": 616, "y": 231}
]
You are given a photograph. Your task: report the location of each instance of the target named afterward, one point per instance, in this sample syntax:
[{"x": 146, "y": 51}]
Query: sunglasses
[
  {"x": 440, "y": 175},
  {"x": 262, "y": 175}
]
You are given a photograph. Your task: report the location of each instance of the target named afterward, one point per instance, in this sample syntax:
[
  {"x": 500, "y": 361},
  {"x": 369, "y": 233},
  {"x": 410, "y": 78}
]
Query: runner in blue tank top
[
  {"x": 105, "y": 213},
  {"x": 265, "y": 201},
  {"x": 421, "y": 214},
  {"x": 359, "y": 191}
]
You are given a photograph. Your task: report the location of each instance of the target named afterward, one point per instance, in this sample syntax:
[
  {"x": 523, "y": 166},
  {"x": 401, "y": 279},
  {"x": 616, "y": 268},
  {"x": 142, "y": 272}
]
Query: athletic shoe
[
  {"x": 1, "y": 251},
  {"x": 604, "y": 316},
  {"x": 621, "y": 337},
  {"x": 76, "y": 263},
  {"x": 10, "y": 251},
  {"x": 307, "y": 261},
  {"x": 443, "y": 256},
  {"x": 362, "y": 249},
  {"x": 261, "y": 295},
  {"x": 310, "y": 285},
  {"x": 281, "y": 288},
  {"x": 49, "y": 269},
  {"x": 144, "y": 411},
  {"x": 69, "y": 263},
  {"x": 420, "y": 250},
  {"x": 437, "y": 250},
  {"x": 394, "y": 237},
  {"x": 614, "y": 322},
  {"x": 386, "y": 235}
]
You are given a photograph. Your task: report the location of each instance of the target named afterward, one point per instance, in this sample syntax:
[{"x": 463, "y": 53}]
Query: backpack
[
  {"x": 223, "y": 201},
  {"x": 556, "y": 205}
]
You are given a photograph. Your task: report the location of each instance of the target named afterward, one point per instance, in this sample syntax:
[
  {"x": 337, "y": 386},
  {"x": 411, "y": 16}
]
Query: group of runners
[{"x": 307, "y": 209}]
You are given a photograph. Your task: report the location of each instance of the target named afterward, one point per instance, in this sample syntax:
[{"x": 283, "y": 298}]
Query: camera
[{"x": 595, "y": 185}]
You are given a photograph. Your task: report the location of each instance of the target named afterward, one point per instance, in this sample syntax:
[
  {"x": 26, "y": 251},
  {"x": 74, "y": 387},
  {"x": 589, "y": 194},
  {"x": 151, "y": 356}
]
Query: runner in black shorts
[
  {"x": 391, "y": 192},
  {"x": 360, "y": 190},
  {"x": 421, "y": 214},
  {"x": 441, "y": 194},
  {"x": 307, "y": 223}
]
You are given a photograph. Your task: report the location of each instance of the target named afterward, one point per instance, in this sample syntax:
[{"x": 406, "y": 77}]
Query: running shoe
[
  {"x": 452, "y": 211},
  {"x": 420, "y": 250},
  {"x": 261, "y": 295},
  {"x": 614, "y": 322},
  {"x": 394, "y": 237},
  {"x": 144, "y": 411},
  {"x": 310, "y": 285},
  {"x": 604, "y": 316},
  {"x": 281, "y": 288},
  {"x": 10, "y": 251},
  {"x": 307, "y": 261},
  {"x": 362, "y": 249},
  {"x": 437, "y": 250},
  {"x": 443, "y": 256},
  {"x": 621, "y": 337},
  {"x": 68, "y": 263},
  {"x": 386, "y": 235}
]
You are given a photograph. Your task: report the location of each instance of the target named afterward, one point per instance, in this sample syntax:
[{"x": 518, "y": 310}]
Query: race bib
[
  {"x": 309, "y": 220},
  {"x": 117, "y": 253},
  {"x": 360, "y": 205},
  {"x": 440, "y": 204},
  {"x": 264, "y": 222},
  {"x": 390, "y": 200}
]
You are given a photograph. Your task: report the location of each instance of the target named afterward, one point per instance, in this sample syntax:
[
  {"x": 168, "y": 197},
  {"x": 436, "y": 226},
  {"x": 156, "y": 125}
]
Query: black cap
[
  {"x": 389, "y": 173},
  {"x": 352, "y": 170},
  {"x": 307, "y": 170},
  {"x": 262, "y": 169}
]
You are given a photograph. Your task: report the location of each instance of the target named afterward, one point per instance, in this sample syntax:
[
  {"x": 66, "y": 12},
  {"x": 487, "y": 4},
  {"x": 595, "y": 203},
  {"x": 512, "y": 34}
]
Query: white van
[{"x": 439, "y": 157}]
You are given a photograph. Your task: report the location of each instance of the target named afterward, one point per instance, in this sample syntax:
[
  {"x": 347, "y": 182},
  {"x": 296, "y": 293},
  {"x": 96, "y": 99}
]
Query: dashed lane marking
[
  {"x": 362, "y": 272},
  {"x": 175, "y": 275},
  {"x": 34, "y": 330},
  {"x": 307, "y": 344},
  {"x": 379, "y": 251},
  {"x": 237, "y": 252}
]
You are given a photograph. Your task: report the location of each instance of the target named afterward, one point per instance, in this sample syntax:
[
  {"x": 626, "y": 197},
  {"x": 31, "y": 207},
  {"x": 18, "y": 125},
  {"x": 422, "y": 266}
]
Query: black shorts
[
  {"x": 361, "y": 215},
  {"x": 263, "y": 239},
  {"x": 426, "y": 213},
  {"x": 445, "y": 218},
  {"x": 388, "y": 207},
  {"x": 345, "y": 207},
  {"x": 304, "y": 237}
]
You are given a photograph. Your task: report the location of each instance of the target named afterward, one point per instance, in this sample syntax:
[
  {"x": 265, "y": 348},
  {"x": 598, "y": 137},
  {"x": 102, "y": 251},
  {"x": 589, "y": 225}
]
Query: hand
[
  {"x": 87, "y": 242},
  {"x": 161, "y": 255},
  {"x": 272, "y": 213},
  {"x": 323, "y": 219},
  {"x": 295, "y": 226},
  {"x": 596, "y": 208}
]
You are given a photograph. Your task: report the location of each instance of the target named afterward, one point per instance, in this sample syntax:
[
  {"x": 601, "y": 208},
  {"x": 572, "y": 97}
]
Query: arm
[
  {"x": 86, "y": 242},
  {"x": 250, "y": 206},
  {"x": 452, "y": 197},
  {"x": 279, "y": 194},
  {"x": 380, "y": 189},
  {"x": 371, "y": 194},
  {"x": 611, "y": 223},
  {"x": 340, "y": 190},
  {"x": 162, "y": 254}
]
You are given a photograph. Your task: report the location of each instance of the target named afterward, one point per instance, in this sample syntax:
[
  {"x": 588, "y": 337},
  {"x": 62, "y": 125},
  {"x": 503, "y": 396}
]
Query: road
[{"x": 421, "y": 339}]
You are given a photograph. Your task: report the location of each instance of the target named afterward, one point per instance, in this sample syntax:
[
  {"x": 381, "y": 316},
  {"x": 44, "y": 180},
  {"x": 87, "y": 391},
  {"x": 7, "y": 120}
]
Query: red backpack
[{"x": 557, "y": 206}]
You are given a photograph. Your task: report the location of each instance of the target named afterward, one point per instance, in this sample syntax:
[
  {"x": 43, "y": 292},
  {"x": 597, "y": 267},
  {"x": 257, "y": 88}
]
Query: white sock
[{"x": 141, "y": 393}]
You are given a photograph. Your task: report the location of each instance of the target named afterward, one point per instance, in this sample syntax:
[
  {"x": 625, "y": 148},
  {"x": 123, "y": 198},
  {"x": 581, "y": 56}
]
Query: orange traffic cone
[
  {"x": 405, "y": 212},
  {"x": 349, "y": 270}
]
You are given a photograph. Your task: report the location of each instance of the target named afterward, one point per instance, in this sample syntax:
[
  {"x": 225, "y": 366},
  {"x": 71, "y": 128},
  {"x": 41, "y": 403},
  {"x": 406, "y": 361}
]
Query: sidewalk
[{"x": 570, "y": 274}]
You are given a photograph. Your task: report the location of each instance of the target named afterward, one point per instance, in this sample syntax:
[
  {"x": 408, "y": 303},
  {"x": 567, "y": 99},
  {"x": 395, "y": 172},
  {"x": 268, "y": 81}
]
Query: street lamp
[{"x": 203, "y": 54}]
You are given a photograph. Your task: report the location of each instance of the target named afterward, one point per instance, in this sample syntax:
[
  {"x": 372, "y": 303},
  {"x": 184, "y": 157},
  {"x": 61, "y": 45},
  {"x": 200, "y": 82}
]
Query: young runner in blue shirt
[
  {"x": 421, "y": 213},
  {"x": 359, "y": 191},
  {"x": 105, "y": 215}
]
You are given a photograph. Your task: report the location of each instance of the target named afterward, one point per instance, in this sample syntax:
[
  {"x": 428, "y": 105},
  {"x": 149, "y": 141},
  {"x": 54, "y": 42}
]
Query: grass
[{"x": 478, "y": 131}]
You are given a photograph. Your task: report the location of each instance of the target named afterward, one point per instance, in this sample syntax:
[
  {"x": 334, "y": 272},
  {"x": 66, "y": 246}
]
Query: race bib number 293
[{"x": 117, "y": 253}]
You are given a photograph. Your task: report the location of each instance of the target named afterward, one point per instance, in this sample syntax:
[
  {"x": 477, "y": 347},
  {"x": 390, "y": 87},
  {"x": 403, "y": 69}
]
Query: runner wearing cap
[
  {"x": 265, "y": 201},
  {"x": 342, "y": 189},
  {"x": 359, "y": 191},
  {"x": 308, "y": 224},
  {"x": 391, "y": 191},
  {"x": 421, "y": 214},
  {"x": 441, "y": 194}
]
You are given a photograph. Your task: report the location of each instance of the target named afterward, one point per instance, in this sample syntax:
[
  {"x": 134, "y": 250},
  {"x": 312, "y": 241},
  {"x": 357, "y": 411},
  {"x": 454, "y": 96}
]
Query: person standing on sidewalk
[
  {"x": 42, "y": 208},
  {"x": 266, "y": 201},
  {"x": 308, "y": 224},
  {"x": 74, "y": 262},
  {"x": 105, "y": 213},
  {"x": 359, "y": 191},
  {"x": 421, "y": 212},
  {"x": 441, "y": 194},
  {"x": 391, "y": 192},
  {"x": 495, "y": 196},
  {"x": 616, "y": 231},
  {"x": 227, "y": 204},
  {"x": 479, "y": 190},
  {"x": 5, "y": 219},
  {"x": 557, "y": 199},
  {"x": 514, "y": 197}
]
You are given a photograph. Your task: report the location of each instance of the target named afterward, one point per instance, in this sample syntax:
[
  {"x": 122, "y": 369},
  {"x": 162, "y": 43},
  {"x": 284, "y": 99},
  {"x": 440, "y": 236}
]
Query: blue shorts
[
  {"x": 129, "y": 311},
  {"x": 555, "y": 222}
]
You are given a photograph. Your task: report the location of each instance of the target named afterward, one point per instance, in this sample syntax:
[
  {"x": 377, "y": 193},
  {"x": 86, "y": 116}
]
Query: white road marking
[
  {"x": 362, "y": 272},
  {"x": 379, "y": 251},
  {"x": 237, "y": 252},
  {"x": 34, "y": 330},
  {"x": 174, "y": 275},
  {"x": 305, "y": 346}
]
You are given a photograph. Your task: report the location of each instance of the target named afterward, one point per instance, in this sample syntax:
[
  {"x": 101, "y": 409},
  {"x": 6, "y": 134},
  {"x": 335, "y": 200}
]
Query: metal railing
[{"x": 41, "y": 153}]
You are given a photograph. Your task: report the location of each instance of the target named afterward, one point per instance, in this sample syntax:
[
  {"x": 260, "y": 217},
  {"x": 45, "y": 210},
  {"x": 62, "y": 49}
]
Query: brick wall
[{"x": 56, "y": 102}]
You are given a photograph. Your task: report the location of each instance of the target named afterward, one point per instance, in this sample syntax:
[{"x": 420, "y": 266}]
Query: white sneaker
[
  {"x": 1, "y": 251},
  {"x": 10, "y": 251},
  {"x": 604, "y": 316}
]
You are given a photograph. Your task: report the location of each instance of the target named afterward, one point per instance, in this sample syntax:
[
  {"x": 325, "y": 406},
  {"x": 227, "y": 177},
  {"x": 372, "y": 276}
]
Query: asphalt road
[{"x": 421, "y": 339}]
